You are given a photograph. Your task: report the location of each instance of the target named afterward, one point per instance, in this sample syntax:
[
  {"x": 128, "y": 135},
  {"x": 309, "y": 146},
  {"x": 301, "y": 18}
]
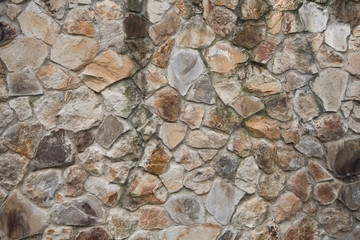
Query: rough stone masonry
[{"x": 180, "y": 119}]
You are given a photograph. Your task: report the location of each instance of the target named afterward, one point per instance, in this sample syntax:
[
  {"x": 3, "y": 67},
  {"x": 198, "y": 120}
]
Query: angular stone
[
  {"x": 55, "y": 78},
  {"x": 47, "y": 106},
  {"x": 146, "y": 122},
  {"x": 20, "y": 218},
  {"x": 83, "y": 211},
  {"x": 249, "y": 34},
  {"x": 260, "y": 81},
  {"x": 141, "y": 50},
  {"x": 187, "y": 8},
  {"x": 222, "y": 21},
  {"x": 263, "y": 127},
  {"x": 22, "y": 107},
  {"x": 118, "y": 172},
  {"x": 127, "y": 147},
  {"x": 293, "y": 80},
  {"x": 3, "y": 90},
  {"x": 150, "y": 79},
  {"x": 173, "y": 177},
  {"x": 240, "y": 143},
  {"x": 223, "y": 194},
  {"x": 286, "y": 206},
  {"x": 106, "y": 69},
  {"x": 349, "y": 195},
  {"x": 93, "y": 160},
  {"x": 108, "y": 193},
  {"x": 147, "y": 235},
  {"x": 330, "y": 86},
  {"x": 206, "y": 138},
  {"x": 330, "y": 127},
  {"x": 264, "y": 153},
  {"x": 354, "y": 40},
  {"x": 222, "y": 118},
  {"x": 274, "y": 22},
  {"x": 225, "y": 165},
  {"x": 121, "y": 223},
  {"x": 192, "y": 115},
  {"x": 55, "y": 7},
  {"x": 35, "y": 23},
  {"x": 232, "y": 4},
  {"x": 336, "y": 36},
  {"x": 310, "y": 146},
  {"x": 186, "y": 209},
  {"x": 125, "y": 92},
  {"x": 253, "y": 9},
  {"x": 355, "y": 233},
  {"x": 300, "y": 184},
  {"x": 207, "y": 154},
  {"x": 200, "y": 180},
  {"x": 285, "y": 5},
  {"x": 188, "y": 158},
  {"x": 154, "y": 217},
  {"x": 112, "y": 34},
  {"x": 162, "y": 53},
  {"x": 318, "y": 172},
  {"x": 135, "y": 26},
  {"x": 83, "y": 140},
  {"x": 94, "y": 233},
  {"x": 279, "y": 108},
  {"x": 304, "y": 228},
  {"x": 327, "y": 57},
  {"x": 23, "y": 83},
  {"x": 294, "y": 53},
  {"x": 8, "y": 33},
  {"x": 12, "y": 170},
  {"x": 110, "y": 130},
  {"x": 314, "y": 17},
  {"x": 109, "y": 10},
  {"x": 305, "y": 105},
  {"x": 201, "y": 91},
  {"x": 167, "y": 27},
  {"x": 271, "y": 185},
  {"x": 353, "y": 63},
  {"x": 83, "y": 111},
  {"x": 75, "y": 177},
  {"x": 353, "y": 89},
  {"x": 247, "y": 175},
  {"x": 41, "y": 186},
  {"x": 166, "y": 103},
  {"x": 155, "y": 9},
  {"x": 228, "y": 233},
  {"x": 156, "y": 157},
  {"x": 73, "y": 52},
  {"x": 134, "y": 5},
  {"x": 206, "y": 231},
  {"x": 23, "y": 138},
  {"x": 326, "y": 193},
  {"x": 266, "y": 49},
  {"x": 292, "y": 23},
  {"x": 288, "y": 158},
  {"x": 227, "y": 88},
  {"x": 184, "y": 68},
  {"x": 58, "y": 233},
  {"x": 250, "y": 213},
  {"x": 6, "y": 116},
  {"x": 334, "y": 220}
]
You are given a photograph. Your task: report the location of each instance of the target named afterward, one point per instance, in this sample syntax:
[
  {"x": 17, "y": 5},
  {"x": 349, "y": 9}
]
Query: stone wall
[{"x": 180, "y": 119}]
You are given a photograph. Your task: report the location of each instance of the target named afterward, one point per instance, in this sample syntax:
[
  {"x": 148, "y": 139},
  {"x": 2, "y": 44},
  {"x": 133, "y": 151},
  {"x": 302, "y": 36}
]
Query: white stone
[
  {"x": 227, "y": 88},
  {"x": 247, "y": 175},
  {"x": 173, "y": 177},
  {"x": 155, "y": 9},
  {"x": 336, "y": 36},
  {"x": 314, "y": 17},
  {"x": 46, "y": 108}
]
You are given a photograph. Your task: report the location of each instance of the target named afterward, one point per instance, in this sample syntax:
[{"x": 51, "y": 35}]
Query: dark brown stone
[
  {"x": 305, "y": 228},
  {"x": 318, "y": 172},
  {"x": 7, "y": 33},
  {"x": 299, "y": 183},
  {"x": 83, "y": 141},
  {"x": 249, "y": 34},
  {"x": 350, "y": 195},
  {"x": 53, "y": 151},
  {"x": 141, "y": 50},
  {"x": 97, "y": 233},
  {"x": 134, "y": 5},
  {"x": 135, "y": 26},
  {"x": 167, "y": 27}
]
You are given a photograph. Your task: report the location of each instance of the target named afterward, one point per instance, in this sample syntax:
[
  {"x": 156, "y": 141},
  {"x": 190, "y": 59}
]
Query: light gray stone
[
  {"x": 328, "y": 57},
  {"x": 353, "y": 89},
  {"x": 107, "y": 192},
  {"x": 270, "y": 185},
  {"x": 128, "y": 147},
  {"x": 46, "y": 108},
  {"x": 260, "y": 81},
  {"x": 22, "y": 107},
  {"x": 188, "y": 158},
  {"x": 334, "y": 220},
  {"x": 110, "y": 129},
  {"x": 305, "y": 105},
  {"x": 192, "y": 114},
  {"x": 294, "y": 80},
  {"x": 93, "y": 160},
  {"x": 173, "y": 177},
  {"x": 206, "y": 231},
  {"x": 6, "y": 116},
  {"x": 201, "y": 91},
  {"x": 310, "y": 146},
  {"x": 247, "y": 175},
  {"x": 206, "y": 138},
  {"x": 200, "y": 180},
  {"x": 314, "y": 17},
  {"x": 55, "y": 7},
  {"x": 13, "y": 11},
  {"x": 336, "y": 36},
  {"x": 13, "y": 167},
  {"x": 112, "y": 34},
  {"x": 23, "y": 83},
  {"x": 155, "y": 9},
  {"x": 3, "y": 91},
  {"x": 227, "y": 88},
  {"x": 250, "y": 213}
]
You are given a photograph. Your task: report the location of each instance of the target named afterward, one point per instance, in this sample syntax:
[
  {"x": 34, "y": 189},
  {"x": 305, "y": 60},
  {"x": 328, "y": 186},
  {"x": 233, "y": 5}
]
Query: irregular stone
[
  {"x": 106, "y": 69},
  {"x": 108, "y": 193},
  {"x": 195, "y": 34},
  {"x": 73, "y": 52},
  {"x": 156, "y": 157},
  {"x": 268, "y": 231},
  {"x": 23, "y": 83},
  {"x": 288, "y": 158},
  {"x": 285, "y": 206},
  {"x": 299, "y": 183},
  {"x": 247, "y": 175},
  {"x": 206, "y": 231},
  {"x": 206, "y": 138},
  {"x": 187, "y": 9},
  {"x": 125, "y": 92},
  {"x": 184, "y": 68},
  {"x": 279, "y": 108},
  {"x": 83, "y": 140},
  {"x": 207, "y": 154},
  {"x": 155, "y": 9},
  {"x": 83, "y": 211},
  {"x": 192, "y": 115},
  {"x": 330, "y": 86},
  {"x": 41, "y": 186},
  {"x": 250, "y": 213},
  {"x": 264, "y": 153},
  {"x": 260, "y": 81},
  {"x": 154, "y": 217},
  {"x": 167, "y": 27},
  {"x": 253, "y": 9},
  {"x": 188, "y": 158},
  {"x": 121, "y": 223},
  {"x": 54, "y": 78},
  {"x": 292, "y": 23},
  {"x": 222, "y": 118},
  {"x": 127, "y": 147},
  {"x": 353, "y": 63},
  {"x": 354, "y": 40},
  {"x": 327, "y": 57},
  {"x": 20, "y": 218},
  {"x": 336, "y": 36},
  {"x": 46, "y": 108},
  {"x": 166, "y": 103},
  {"x": 306, "y": 106},
  {"x": 58, "y": 233},
  {"x": 304, "y": 228},
  {"x": 6, "y": 116},
  {"x": 318, "y": 172},
  {"x": 232, "y": 4},
  {"x": 109, "y": 10},
  {"x": 353, "y": 89},
  {"x": 146, "y": 122},
  {"x": 147, "y": 235},
  {"x": 355, "y": 233},
  {"x": 134, "y": 5},
  {"x": 240, "y": 143},
  {"x": 263, "y": 127},
  {"x": 221, "y": 20},
  {"x": 150, "y": 79},
  {"x": 93, "y": 160},
  {"x": 135, "y": 26},
  {"x": 13, "y": 11},
  {"x": 23, "y": 138},
  {"x": 141, "y": 50},
  {"x": 310, "y": 146},
  {"x": 8, "y": 33},
  {"x": 94, "y": 233},
  {"x": 229, "y": 233},
  {"x": 109, "y": 130},
  {"x": 271, "y": 185},
  {"x": 274, "y": 22},
  {"x": 223, "y": 194},
  {"x": 330, "y": 127},
  {"x": 22, "y": 107},
  {"x": 326, "y": 193},
  {"x": 173, "y": 177},
  {"x": 200, "y": 180},
  {"x": 162, "y": 53},
  {"x": 3, "y": 90},
  {"x": 227, "y": 88},
  {"x": 314, "y": 17},
  {"x": 186, "y": 209},
  {"x": 12, "y": 170},
  {"x": 225, "y": 165},
  {"x": 285, "y": 5},
  {"x": 349, "y": 195},
  {"x": 316, "y": 42},
  {"x": 293, "y": 80},
  {"x": 334, "y": 220},
  {"x": 266, "y": 49},
  {"x": 294, "y": 53},
  {"x": 118, "y": 172},
  {"x": 75, "y": 177},
  {"x": 112, "y": 34},
  {"x": 201, "y": 91},
  {"x": 55, "y": 7},
  {"x": 35, "y": 23},
  {"x": 249, "y": 34}
]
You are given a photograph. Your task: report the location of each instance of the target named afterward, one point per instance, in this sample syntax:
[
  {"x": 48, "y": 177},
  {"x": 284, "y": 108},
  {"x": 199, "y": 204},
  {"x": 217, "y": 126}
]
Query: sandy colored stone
[
  {"x": 23, "y": 83},
  {"x": 285, "y": 5},
  {"x": 154, "y": 218},
  {"x": 58, "y": 233},
  {"x": 271, "y": 185},
  {"x": 167, "y": 27},
  {"x": 266, "y": 49},
  {"x": 121, "y": 223},
  {"x": 334, "y": 220},
  {"x": 318, "y": 172},
  {"x": 330, "y": 127},
  {"x": 247, "y": 175},
  {"x": 206, "y": 138},
  {"x": 326, "y": 193},
  {"x": 263, "y": 127},
  {"x": 118, "y": 172},
  {"x": 353, "y": 63},
  {"x": 288, "y": 158},
  {"x": 264, "y": 85},
  {"x": 156, "y": 157},
  {"x": 222, "y": 118},
  {"x": 300, "y": 184},
  {"x": 53, "y": 77},
  {"x": 286, "y": 206},
  {"x": 150, "y": 79},
  {"x": 294, "y": 80},
  {"x": 55, "y": 7},
  {"x": 173, "y": 177},
  {"x": 240, "y": 143},
  {"x": 13, "y": 167},
  {"x": 112, "y": 34},
  {"x": 22, "y": 107},
  {"x": 13, "y": 11},
  {"x": 192, "y": 115},
  {"x": 206, "y": 231},
  {"x": 155, "y": 9},
  {"x": 292, "y": 23},
  {"x": 162, "y": 53},
  {"x": 188, "y": 158},
  {"x": 200, "y": 180},
  {"x": 336, "y": 36},
  {"x": 46, "y": 108},
  {"x": 221, "y": 20},
  {"x": 109, "y": 10},
  {"x": 328, "y": 57},
  {"x": 128, "y": 147},
  {"x": 274, "y": 22},
  {"x": 75, "y": 177},
  {"x": 305, "y": 105},
  {"x": 107, "y": 192},
  {"x": 92, "y": 159},
  {"x": 250, "y": 213},
  {"x": 94, "y": 233},
  {"x": 227, "y": 88}
]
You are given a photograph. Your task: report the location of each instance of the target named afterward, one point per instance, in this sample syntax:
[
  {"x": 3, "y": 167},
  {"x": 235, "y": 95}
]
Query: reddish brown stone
[
  {"x": 162, "y": 54},
  {"x": 299, "y": 183},
  {"x": 222, "y": 21},
  {"x": 167, "y": 104},
  {"x": 265, "y": 51},
  {"x": 289, "y": 159},
  {"x": 153, "y": 217},
  {"x": 80, "y": 21},
  {"x": 305, "y": 228},
  {"x": 318, "y": 172},
  {"x": 97, "y": 233},
  {"x": 249, "y": 34},
  {"x": 135, "y": 26},
  {"x": 143, "y": 188},
  {"x": 167, "y": 27},
  {"x": 156, "y": 157},
  {"x": 286, "y": 206},
  {"x": 326, "y": 193},
  {"x": 330, "y": 127},
  {"x": 263, "y": 127}
]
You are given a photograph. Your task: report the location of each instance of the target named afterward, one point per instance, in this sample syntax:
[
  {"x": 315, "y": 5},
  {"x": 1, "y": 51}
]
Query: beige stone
[
  {"x": 53, "y": 77},
  {"x": 206, "y": 231},
  {"x": 192, "y": 114},
  {"x": 154, "y": 217},
  {"x": 167, "y": 27},
  {"x": 222, "y": 21},
  {"x": 206, "y": 138},
  {"x": 286, "y": 206},
  {"x": 156, "y": 157},
  {"x": 109, "y": 10},
  {"x": 264, "y": 85},
  {"x": 80, "y": 21},
  {"x": 172, "y": 134},
  {"x": 247, "y": 105},
  {"x": 260, "y": 126}
]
